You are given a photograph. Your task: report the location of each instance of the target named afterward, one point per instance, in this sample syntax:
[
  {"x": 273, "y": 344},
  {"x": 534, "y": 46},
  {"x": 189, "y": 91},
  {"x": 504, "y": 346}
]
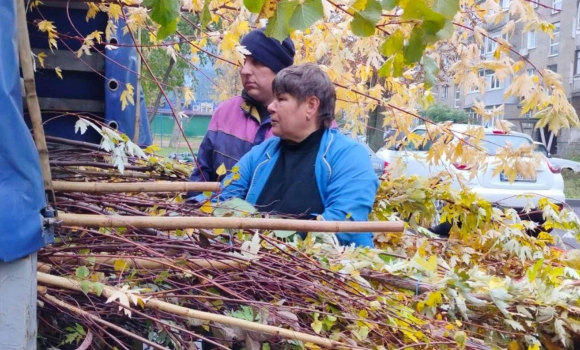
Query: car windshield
[{"x": 493, "y": 142}]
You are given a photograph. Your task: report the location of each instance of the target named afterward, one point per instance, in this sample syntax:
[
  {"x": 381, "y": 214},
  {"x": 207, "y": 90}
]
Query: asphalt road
[{"x": 570, "y": 242}]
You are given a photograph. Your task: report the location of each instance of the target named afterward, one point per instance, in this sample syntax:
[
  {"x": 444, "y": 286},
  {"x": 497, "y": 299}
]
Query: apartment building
[{"x": 561, "y": 54}]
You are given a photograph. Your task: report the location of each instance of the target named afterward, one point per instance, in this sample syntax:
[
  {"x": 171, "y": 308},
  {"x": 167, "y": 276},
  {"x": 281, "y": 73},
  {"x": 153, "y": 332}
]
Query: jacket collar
[{"x": 252, "y": 107}]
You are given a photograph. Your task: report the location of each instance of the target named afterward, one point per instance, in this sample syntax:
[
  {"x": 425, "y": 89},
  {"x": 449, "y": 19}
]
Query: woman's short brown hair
[{"x": 305, "y": 80}]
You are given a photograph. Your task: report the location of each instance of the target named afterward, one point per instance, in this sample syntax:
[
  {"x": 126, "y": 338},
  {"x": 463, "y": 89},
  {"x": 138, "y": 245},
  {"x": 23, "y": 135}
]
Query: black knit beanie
[{"x": 270, "y": 52}]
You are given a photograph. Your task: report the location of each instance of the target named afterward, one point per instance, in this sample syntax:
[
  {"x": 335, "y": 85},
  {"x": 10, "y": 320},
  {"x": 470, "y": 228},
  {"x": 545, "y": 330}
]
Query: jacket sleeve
[
  {"x": 237, "y": 184},
  {"x": 351, "y": 192}
]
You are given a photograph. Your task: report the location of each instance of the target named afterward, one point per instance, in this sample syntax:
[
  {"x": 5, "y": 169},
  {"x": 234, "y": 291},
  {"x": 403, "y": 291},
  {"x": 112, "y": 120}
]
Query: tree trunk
[
  {"x": 375, "y": 129},
  {"x": 375, "y": 133},
  {"x": 176, "y": 134},
  {"x": 153, "y": 112}
]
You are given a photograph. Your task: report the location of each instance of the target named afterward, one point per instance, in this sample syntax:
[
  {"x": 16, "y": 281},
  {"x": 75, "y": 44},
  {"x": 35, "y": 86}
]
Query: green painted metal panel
[{"x": 195, "y": 126}]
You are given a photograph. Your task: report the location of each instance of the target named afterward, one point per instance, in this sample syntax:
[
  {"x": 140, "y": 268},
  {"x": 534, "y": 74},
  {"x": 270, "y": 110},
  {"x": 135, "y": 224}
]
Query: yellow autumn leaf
[
  {"x": 120, "y": 265},
  {"x": 115, "y": 11},
  {"x": 188, "y": 96},
  {"x": 58, "y": 72},
  {"x": 152, "y": 149},
  {"x": 41, "y": 56},
  {"x": 127, "y": 96},
  {"x": 221, "y": 170},
  {"x": 206, "y": 208},
  {"x": 92, "y": 12}
]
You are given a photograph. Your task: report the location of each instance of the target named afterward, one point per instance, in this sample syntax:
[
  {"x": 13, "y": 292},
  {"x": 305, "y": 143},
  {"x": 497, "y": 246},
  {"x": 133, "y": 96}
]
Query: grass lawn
[
  {"x": 181, "y": 147},
  {"x": 571, "y": 184}
]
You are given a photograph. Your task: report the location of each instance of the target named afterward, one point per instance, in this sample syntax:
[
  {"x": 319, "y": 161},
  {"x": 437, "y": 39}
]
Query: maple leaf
[
  {"x": 127, "y": 96},
  {"x": 125, "y": 296},
  {"x": 188, "y": 96},
  {"x": 41, "y": 56},
  {"x": 115, "y": 11},
  {"x": 92, "y": 12}
]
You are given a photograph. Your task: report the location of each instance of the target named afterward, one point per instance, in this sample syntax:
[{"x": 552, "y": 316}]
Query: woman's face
[{"x": 292, "y": 120}]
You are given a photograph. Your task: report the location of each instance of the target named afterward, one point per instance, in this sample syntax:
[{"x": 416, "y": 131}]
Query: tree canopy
[{"x": 439, "y": 113}]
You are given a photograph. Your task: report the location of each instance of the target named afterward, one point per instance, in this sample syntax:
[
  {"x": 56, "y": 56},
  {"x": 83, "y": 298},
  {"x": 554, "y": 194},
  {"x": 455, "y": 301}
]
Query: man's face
[{"x": 257, "y": 80}]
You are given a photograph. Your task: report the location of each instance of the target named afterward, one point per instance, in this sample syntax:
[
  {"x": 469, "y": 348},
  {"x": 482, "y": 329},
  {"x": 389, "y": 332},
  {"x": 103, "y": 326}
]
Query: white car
[
  {"x": 547, "y": 182},
  {"x": 559, "y": 162}
]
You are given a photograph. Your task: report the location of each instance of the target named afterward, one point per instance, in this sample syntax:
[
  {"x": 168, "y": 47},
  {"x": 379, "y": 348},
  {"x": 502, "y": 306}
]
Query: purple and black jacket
[{"x": 234, "y": 129}]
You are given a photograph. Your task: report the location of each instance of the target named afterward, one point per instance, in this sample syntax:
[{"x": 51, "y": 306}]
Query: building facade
[{"x": 560, "y": 54}]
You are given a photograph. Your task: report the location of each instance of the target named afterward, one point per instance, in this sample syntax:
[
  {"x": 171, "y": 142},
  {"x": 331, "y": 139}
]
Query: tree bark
[
  {"x": 181, "y": 222},
  {"x": 121, "y": 187},
  {"x": 153, "y": 112},
  {"x": 176, "y": 133},
  {"x": 375, "y": 132}
]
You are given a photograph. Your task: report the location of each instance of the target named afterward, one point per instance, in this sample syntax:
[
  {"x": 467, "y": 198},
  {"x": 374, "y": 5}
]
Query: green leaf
[
  {"x": 254, "y": 6},
  {"x": 283, "y": 234},
  {"x": 82, "y": 272},
  {"x": 234, "y": 207},
  {"x": 317, "y": 326},
  {"x": 85, "y": 286},
  {"x": 205, "y": 14},
  {"x": 431, "y": 70},
  {"x": 278, "y": 26},
  {"x": 433, "y": 22},
  {"x": 389, "y": 4},
  {"x": 363, "y": 22},
  {"x": 388, "y": 259},
  {"x": 387, "y": 69},
  {"x": 164, "y": 12},
  {"x": 98, "y": 288},
  {"x": 446, "y": 32},
  {"x": 394, "y": 44},
  {"x": 461, "y": 338},
  {"x": 447, "y": 8},
  {"x": 166, "y": 30},
  {"x": 306, "y": 14},
  {"x": 415, "y": 47},
  {"x": 398, "y": 65}
]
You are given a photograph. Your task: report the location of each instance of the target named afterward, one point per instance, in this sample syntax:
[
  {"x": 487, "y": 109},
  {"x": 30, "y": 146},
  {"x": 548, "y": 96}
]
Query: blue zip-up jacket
[{"x": 344, "y": 175}]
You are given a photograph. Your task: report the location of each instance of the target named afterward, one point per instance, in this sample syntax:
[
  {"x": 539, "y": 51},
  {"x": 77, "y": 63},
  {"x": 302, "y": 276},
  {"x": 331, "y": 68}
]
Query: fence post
[{"x": 18, "y": 304}]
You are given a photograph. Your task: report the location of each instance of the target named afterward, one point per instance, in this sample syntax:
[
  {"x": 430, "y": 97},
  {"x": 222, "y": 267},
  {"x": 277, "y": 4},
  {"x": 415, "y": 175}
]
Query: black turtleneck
[{"x": 291, "y": 188}]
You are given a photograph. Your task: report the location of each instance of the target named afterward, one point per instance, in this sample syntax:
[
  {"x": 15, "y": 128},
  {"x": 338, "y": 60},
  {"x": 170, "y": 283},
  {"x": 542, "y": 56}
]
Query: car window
[
  {"x": 493, "y": 142},
  {"x": 420, "y": 146},
  {"x": 540, "y": 148}
]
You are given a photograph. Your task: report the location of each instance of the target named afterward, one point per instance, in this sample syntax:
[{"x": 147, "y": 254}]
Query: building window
[
  {"x": 555, "y": 42},
  {"x": 553, "y": 67},
  {"x": 444, "y": 91},
  {"x": 577, "y": 63},
  {"x": 535, "y": 3},
  {"x": 532, "y": 39},
  {"x": 475, "y": 88},
  {"x": 578, "y": 18},
  {"x": 491, "y": 82},
  {"x": 531, "y": 71},
  {"x": 505, "y": 4},
  {"x": 457, "y": 96},
  {"x": 556, "y": 6}
]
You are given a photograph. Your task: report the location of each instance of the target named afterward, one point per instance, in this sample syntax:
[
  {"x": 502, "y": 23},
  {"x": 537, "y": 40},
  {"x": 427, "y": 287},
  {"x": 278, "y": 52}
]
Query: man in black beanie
[{"x": 242, "y": 122}]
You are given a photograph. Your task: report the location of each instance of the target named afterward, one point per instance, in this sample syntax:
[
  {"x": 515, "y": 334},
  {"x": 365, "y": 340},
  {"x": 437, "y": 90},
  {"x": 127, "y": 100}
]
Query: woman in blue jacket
[{"x": 309, "y": 170}]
